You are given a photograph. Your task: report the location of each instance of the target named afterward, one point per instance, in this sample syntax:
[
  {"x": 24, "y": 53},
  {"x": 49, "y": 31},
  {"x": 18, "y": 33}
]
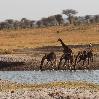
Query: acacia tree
[
  {"x": 59, "y": 18},
  {"x": 45, "y": 21},
  {"x": 70, "y": 13},
  {"x": 96, "y": 17},
  {"x": 87, "y": 18},
  {"x": 52, "y": 20},
  {"x": 39, "y": 23}
]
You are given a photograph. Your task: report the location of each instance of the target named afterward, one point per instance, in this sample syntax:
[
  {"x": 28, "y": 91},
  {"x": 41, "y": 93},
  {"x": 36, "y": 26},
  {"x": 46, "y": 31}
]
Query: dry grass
[
  {"x": 8, "y": 86},
  {"x": 32, "y": 38},
  {"x": 6, "y": 51}
]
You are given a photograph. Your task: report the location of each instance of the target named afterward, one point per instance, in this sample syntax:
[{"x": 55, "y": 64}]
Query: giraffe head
[
  {"x": 59, "y": 39},
  {"x": 90, "y": 45}
]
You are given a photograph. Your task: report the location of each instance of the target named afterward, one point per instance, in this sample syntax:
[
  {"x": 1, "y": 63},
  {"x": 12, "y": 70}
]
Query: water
[{"x": 50, "y": 76}]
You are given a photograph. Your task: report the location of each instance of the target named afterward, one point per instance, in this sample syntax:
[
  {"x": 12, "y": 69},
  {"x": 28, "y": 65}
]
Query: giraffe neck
[
  {"x": 63, "y": 45},
  {"x": 66, "y": 48},
  {"x": 42, "y": 61}
]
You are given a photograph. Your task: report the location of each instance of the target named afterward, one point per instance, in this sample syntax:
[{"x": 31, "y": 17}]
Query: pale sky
[{"x": 37, "y": 9}]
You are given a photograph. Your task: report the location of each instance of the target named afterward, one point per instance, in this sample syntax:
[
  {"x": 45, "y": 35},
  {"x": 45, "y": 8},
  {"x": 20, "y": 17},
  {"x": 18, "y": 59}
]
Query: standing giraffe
[{"x": 67, "y": 56}]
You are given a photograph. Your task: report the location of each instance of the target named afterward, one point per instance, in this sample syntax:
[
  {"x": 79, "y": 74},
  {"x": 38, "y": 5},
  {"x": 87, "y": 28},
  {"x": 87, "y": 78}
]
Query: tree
[
  {"x": 45, "y": 21},
  {"x": 10, "y": 21},
  {"x": 96, "y": 17},
  {"x": 17, "y": 24},
  {"x": 32, "y": 23},
  {"x": 70, "y": 13},
  {"x": 25, "y": 23},
  {"x": 52, "y": 20},
  {"x": 87, "y": 18},
  {"x": 39, "y": 23},
  {"x": 59, "y": 18}
]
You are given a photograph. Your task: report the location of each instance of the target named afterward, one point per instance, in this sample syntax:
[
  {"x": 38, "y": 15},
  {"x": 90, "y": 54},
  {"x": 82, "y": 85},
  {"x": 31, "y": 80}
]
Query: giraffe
[
  {"x": 51, "y": 57},
  {"x": 86, "y": 54},
  {"x": 67, "y": 54}
]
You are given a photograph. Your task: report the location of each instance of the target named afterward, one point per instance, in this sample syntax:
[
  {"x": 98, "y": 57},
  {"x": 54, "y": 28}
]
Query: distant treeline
[{"x": 53, "y": 20}]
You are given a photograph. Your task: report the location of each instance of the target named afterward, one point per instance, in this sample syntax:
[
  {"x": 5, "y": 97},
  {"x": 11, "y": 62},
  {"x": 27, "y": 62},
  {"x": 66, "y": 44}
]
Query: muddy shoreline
[{"x": 29, "y": 58}]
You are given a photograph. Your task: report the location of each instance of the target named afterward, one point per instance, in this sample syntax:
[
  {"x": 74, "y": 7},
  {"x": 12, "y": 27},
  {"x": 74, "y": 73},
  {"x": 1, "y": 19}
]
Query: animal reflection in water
[
  {"x": 51, "y": 58},
  {"x": 84, "y": 56}
]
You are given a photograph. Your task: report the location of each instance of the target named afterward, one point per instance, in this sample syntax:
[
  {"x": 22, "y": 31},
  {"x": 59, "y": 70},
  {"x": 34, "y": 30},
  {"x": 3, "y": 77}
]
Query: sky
[{"x": 37, "y": 9}]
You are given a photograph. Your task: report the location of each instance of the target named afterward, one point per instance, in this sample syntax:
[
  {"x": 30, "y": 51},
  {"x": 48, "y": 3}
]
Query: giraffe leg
[
  {"x": 40, "y": 67},
  {"x": 47, "y": 64},
  {"x": 52, "y": 63},
  {"x": 42, "y": 62},
  {"x": 92, "y": 58},
  {"x": 64, "y": 63},
  {"x": 88, "y": 60},
  {"x": 68, "y": 65},
  {"x": 55, "y": 63},
  {"x": 83, "y": 62},
  {"x": 78, "y": 60},
  {"x": 71, "y": 62},
  {"x": 60, "y": 62}
]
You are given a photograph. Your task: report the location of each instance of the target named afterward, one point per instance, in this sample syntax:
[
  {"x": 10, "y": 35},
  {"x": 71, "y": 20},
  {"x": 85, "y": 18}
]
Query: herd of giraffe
[{"x": 68, "y": 57}]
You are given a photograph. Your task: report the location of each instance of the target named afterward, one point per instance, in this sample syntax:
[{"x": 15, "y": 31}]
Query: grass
[
  {"x": 32, "y": 38},
  {"x": 6, "y": 51},
  {"x": 8, "y": 86}
]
